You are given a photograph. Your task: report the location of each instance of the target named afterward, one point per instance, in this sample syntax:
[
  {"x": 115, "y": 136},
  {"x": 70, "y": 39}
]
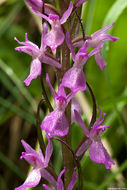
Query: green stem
[
  {"x": 67, "y": 156},
  {"x": 93, "y": 119},
  {"x": 44, "y": 92},
  {"x": 39, "y": 132},
  {"x": 77, "y": 163}
]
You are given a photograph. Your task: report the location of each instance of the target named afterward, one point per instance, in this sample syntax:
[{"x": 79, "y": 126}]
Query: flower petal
[
  {"x": 54, "y": 38},
  {"x": 74, "y": 79},
  {"x": 59, "y": 181},
  {"x": 99, "y": 154},
  {"x": 42, "y": 15},
  {"x": 72, "y": 183},
  {"x": 54, "y": 94},
  {"x": 28, "y": 47},
  {"x": 32, "y": 159},
  {"x": 44, "y": 32},
  {"x": 32, "y": 180},
  {"x": 100, "y": 61},
  {"x": 83, "y": 148},
  {"x": 106, "y": 37},
  {"x": 55, "y": 124},
  {"x": 67, "y": 13},
  {"x": 50, "y": 61},
  {"x": 47, "y": 176},
  {"x": 75, "y": 106},
  {"x": 70, "y": 45},
  {"x": 103, "y": 30},
  {"x": 37, "y": 5},
  {"x": 28, "y": 148},
  {"x": 48, "y": 153},
  {"x": 80, "y": 2},
  {"x": 35, "y": 71},
  {"x": 81, "y": 123}
]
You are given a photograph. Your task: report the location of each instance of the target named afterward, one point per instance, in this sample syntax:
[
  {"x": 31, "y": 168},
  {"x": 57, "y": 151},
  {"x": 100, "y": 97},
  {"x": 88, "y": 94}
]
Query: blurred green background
[{"x": 18, "y": 103}]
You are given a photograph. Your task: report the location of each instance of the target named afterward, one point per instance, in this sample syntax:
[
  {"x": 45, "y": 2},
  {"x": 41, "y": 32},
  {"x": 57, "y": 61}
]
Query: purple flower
[
  {"x": 97, "y": 41},
  {"x": 97, "y": 151},
  {"x": 74, "y": 78},
  {"x": 55, "y": 37},
  {"x": 38, "y": 56},
  {"x": 60, "y": 185},
  {"x": 39, "y": 162},
  {"x": 55, "y": 123}
]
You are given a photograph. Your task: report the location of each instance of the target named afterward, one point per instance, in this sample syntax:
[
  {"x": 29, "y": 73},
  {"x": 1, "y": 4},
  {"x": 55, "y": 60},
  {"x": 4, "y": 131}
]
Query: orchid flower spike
[
  {"x": 97, "y": 151},
  {"x": 39, "y": 162},
  {"x": 38, "y": 56},
  {"x": 55, "y": 37},
  {"x": 55, "y": 123},
  {"x": 74, "y": 78},
  {"x": 60, "y": 185}
]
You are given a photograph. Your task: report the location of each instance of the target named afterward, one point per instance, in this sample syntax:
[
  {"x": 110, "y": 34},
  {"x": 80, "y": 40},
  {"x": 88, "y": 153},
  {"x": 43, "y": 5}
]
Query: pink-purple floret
[
  {"x": 38, "y": 161},
  {"x": 97, "y": 151}
]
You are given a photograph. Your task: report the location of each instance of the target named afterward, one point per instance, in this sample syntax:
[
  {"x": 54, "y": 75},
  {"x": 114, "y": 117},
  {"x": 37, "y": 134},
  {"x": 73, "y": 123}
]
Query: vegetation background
[{"x": 18, "y": 103}]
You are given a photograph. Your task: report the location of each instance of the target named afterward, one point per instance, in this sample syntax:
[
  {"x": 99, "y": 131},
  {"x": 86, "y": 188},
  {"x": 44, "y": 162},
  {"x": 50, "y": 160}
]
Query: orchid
[
  {"x": 61, "y": 22},
  {"x": 60, "y": 185},
  {"x": 39, "y": 162},
  {"x": 55, "y": 123},
  {"x": 38, "y": 56},
  {"x": 74, "y": 78},
  {"x": 97, "y": 151},
  {"x": 97, "y": 40},
  {"x": 55, "y": 37}
]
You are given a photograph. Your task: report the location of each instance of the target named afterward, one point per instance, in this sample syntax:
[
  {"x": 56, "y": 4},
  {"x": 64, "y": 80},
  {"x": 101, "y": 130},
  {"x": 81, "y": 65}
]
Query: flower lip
[{"x": 53, "y": 17}]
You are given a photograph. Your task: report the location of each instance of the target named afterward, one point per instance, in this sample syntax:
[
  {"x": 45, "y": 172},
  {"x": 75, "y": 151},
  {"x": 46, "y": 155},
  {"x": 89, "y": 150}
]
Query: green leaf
[
  {"x": 111, "y": 17},
  {"x": 112, "y": 176},
  {"x": 12, "y": 166},
  {"x": 9, "y": 19},
  {"x": 115, "y": 11},
  {"x": 17, "y": 110},
  {"x": 8, "y": 70},
  {"x": 13, "y": 90}
]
